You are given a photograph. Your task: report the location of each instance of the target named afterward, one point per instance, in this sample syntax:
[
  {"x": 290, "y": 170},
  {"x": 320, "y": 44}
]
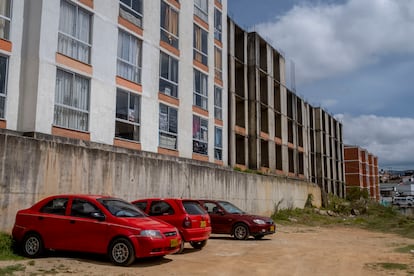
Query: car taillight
[{"x": 187, "y": 222}]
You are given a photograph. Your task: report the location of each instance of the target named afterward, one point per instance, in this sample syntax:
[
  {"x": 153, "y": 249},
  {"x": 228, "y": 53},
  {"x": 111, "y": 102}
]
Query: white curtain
[
  {"x": 4, "y": 23},
  {"x": 129, "y": 57}
]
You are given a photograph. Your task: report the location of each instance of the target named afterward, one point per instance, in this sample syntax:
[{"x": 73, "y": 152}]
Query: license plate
[
  {"x": 203, "y": 224},
  {"x": 272, "y": 228},
  {"x": 173, "y": 243}
]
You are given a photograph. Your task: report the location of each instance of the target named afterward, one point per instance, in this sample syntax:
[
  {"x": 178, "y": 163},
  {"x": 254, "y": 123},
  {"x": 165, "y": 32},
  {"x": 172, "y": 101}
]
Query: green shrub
[{"x": 7, "y": 248}]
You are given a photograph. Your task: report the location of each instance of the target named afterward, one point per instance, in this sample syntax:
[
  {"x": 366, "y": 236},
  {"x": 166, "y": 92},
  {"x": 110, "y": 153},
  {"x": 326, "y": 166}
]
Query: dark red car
[
  {"x": 95, "y": 224},
  {"x": 187, "y": 215},
  {"x": 226, "y": 218}
]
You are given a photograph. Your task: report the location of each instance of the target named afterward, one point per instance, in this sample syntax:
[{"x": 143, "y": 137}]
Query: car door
[
  {"x": 219, "y": 219},
  {"x": 87, "y": 233},
  {"x": 51, "y": 222}
]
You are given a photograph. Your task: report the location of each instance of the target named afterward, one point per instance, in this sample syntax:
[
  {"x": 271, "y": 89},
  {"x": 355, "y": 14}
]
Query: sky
[{"x": 353, "y": 58}]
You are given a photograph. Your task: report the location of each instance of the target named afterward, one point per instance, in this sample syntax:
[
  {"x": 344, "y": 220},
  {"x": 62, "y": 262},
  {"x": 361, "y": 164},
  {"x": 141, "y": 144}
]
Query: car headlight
[
  {"x": 151, "y": 234},
  {"x": 259, "y": 221}
]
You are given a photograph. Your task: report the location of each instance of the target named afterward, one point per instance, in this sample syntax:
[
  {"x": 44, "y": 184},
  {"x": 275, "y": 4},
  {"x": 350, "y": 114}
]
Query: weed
[
  {"x": 9, "y": 270},
  {"x": 7, "y": 248},
  {"x": 405, "y": 249},
  {"x": 393, "y": 266}
]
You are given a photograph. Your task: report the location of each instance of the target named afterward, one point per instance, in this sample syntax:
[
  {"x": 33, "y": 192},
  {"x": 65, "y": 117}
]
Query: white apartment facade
[{"x": 148, "y": 75}]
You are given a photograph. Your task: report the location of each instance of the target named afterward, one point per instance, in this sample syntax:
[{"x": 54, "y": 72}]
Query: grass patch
[
  {"x": 360, "y": 213},
  {"x": 9, "y": 270},
  {"x": 7, "y": 247},
  {"x": 405, "y": 249},
  {"x": 393, "y": 266}
]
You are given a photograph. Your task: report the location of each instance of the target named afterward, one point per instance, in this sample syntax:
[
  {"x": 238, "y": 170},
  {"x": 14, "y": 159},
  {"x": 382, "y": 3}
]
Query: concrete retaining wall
[{"x": 32, "y": 168}]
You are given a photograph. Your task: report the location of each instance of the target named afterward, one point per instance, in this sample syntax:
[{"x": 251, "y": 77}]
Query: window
[
  {"x": 131, "y": 10},
  {"x": 218, "y": 64},
  {"x": 217, "y": 24},
  {"x": 160, "y": 208},
  {"x": 218, "y": 143},
  {"x": 200, "y": 135},
  {"x": 74, "y": 32},
  {"x": 129, "y": 57},
  {"x": 218, "y": 107},
  {"x": 3, "y": 86},
  {"x": 200, "y": 90},
  {"x": 201, "y": 9},
  {"x": 55, "y": 206},
  {"x": 168, "y": 75},
  {"x": 71, "y": 101},
  {"x": 169, "y": 24},
  {"x": 83, "y": 209},
  {"x": 128, "y": 115},
  {"x": 5, "y": 12},
  {"x": 168, "y": 127},
  {"x": 200, "y": 45}
]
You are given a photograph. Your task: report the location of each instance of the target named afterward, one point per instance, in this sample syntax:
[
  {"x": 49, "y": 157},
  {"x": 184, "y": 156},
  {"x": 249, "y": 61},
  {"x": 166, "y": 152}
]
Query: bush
[{"x": 7, "y": 248}]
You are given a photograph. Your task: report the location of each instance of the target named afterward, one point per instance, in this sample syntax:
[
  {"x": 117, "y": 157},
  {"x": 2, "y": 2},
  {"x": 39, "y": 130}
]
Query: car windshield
[
  {"x": 120, "y": 208},
  {"x": 193, "y": 208},
  {"x": 230, "y": 208}
]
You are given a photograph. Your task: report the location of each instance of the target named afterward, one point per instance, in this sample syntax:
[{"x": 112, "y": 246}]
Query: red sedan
[
  {"x": 187, "y": 215},
  {"x": 95, "y": 224},
  {"x": 227, "y": 218}
]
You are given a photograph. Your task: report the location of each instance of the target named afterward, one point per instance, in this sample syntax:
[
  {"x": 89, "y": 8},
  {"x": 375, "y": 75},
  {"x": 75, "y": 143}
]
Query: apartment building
[
  {"x": 271, "y": 129},
  {"x": 148, "y": 75},
  {"x": 361, "y": 170}
]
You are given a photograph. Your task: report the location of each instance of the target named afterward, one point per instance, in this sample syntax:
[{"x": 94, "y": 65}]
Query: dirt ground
[{"x": 292, "y": 250}]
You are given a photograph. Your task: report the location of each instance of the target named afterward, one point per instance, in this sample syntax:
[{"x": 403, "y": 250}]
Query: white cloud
[
  {"x": 327, "y": 39},
  {"x": 389, "y": 138}
]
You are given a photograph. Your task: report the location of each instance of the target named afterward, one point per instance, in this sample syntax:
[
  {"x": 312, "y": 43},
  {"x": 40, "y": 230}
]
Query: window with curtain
[
  {"x": 5, "y": 18},
  {"x": 200, "y": 135},
  {"x": 3, "y": 86},
  {"x": 218, "y": 74},
  {"x": 200, "y": 98},
  {"x": 218, "y": 108},
  {"x": 71, "y": 101},
  {"x": 131, "y": 10},
  {"x": 74, "y": 38},
  {"x": 128, "y": 115},
  {"x": 201, "y": 9},
  {"x": 129, "y": 57},
  {"x": 200, "y": 45},
  {"x": 217, "y": 24},
  {"x": 168, "y": 75},
  {"x": 168, "y": 128},
  {"x": 218, "y": 143},
  {"x": 169, "y": 24}
]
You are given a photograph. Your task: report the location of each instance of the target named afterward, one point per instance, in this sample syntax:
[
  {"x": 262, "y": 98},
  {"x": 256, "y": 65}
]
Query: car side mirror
[
  {"x": 98, "y": 215},
  {"x": 220, "y": 212}
]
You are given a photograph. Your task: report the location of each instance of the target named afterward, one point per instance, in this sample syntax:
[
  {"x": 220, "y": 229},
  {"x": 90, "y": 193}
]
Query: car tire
[
  {"x": 32, "y": 245},
  {"x": 240, "y": 231},
  {"x": 198, "y": 244},
  {"x": 180, "y": 251},
  {"x": 121, "y": 252},
  {"x": 258, "y": 237}
]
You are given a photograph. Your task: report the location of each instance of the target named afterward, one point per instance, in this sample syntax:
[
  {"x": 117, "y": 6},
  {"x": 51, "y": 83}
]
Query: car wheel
[
  {"x": 258, "y": 237},
  {"x": 121, "y": 252},
  {"x": 181, "y": 247},
  {"x": 32, "y": 245},
  {"x": 198, "y": 244},
  {"x": 240, "y": 231}
]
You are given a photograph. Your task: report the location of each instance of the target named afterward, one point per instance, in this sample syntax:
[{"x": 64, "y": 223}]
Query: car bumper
[
  {"x": 151, "y": 247},
  {"x": 196, "y": 234},
  {"x": 267, "y": 229}
]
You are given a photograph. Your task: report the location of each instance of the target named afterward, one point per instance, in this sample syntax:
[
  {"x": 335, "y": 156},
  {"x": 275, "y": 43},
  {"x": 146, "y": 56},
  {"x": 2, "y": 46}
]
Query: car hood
[
  {"x": 252, "y": 217},
  {"x": 147, "y": 223}
]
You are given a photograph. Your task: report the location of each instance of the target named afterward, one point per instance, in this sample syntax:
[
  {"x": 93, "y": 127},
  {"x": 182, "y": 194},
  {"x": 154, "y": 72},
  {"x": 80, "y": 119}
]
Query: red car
[
  {"x": 226, "y": 218},
  {"x": 187, "y": 215},
  {"x": 95, "y": 224}
]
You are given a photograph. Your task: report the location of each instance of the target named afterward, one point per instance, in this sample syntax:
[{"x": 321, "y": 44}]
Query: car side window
[
  {"x": 56, "y": 206},
  {"x": 161, "y": 208},
  {"x": 211, "y": 208},
  {"x": 141, "y": 205},
  {"x": 82, "y": 208}
]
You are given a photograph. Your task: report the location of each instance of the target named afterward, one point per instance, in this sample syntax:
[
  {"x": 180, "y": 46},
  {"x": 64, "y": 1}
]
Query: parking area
[{"x": 291, "y": 251}]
